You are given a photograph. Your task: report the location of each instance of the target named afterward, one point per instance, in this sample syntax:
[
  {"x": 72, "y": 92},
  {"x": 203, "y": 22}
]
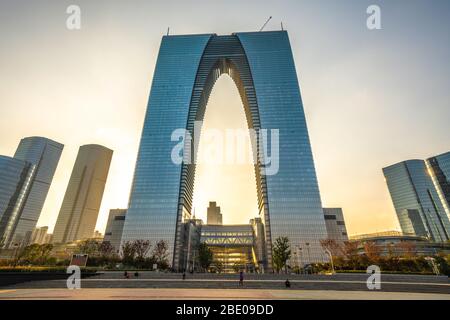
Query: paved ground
[
  {"x": 206, "y": 294},
  {"x": 339, "y": 282},
  {"x": 151, "y": 285}
]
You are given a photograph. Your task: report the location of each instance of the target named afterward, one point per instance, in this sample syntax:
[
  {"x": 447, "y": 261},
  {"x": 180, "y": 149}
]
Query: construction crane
[{"x": 265, "y": 24}]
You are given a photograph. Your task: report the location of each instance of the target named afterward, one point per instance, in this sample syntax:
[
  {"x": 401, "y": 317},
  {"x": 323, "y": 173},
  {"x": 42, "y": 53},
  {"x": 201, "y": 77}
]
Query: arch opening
[
  {"x": 225, "y": 171},
  {"x": 212, "y": 66}
]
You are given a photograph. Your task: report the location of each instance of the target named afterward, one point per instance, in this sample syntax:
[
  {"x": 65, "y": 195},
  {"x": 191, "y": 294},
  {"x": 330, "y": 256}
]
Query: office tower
[
  {"x": 15, "y": 180},
  {"x": 411, "y": 188},
  {"x": 439, "y": 169},
  {"x": 97, "y": 235},
  {"x": 114, "y": 227},
  {"x": 334, "y": 221},
  {"x": 213, "y": 214},
  {"x": 81, "y": 204},
  {"x": 44, "y": 154},
  {"x": 412, "y": 223},
  {"x": 262, "y": 66},
  {"x": 40, "y": 235}
]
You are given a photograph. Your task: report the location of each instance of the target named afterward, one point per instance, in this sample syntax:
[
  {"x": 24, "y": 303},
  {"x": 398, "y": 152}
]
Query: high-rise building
[
  {"x": 411, "y": 188},
  {"x": 334, "y": 221},
  {"x": 44, "y": 155},
  {"x": 40, "y": 235},
  {"x": 262, "y": 66},
  {"x": 97, "y": 235},
  {"x": 114, "y": 227},
  {"x": 412, "y": 223},
  {"x": 213, "y": 214},
  {"x": 81, "y": 204},
  {"x": 439, "y": 169},
  {"x": 15, "y": 179}
]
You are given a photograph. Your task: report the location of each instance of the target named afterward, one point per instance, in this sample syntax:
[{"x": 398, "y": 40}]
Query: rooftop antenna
[
  {"x": 265, "y": 24},
  {"x": 282, "y": 29},
  {"x": 168, "y": 29}
]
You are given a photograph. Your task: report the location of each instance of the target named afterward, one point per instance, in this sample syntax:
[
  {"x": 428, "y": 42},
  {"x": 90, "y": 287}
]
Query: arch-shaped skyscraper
[{"x": 262, "y": 66}]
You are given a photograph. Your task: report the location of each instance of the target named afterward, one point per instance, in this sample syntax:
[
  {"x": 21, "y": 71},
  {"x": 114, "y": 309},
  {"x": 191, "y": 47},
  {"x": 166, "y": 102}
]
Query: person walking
[{"x": 241, "y": 278}]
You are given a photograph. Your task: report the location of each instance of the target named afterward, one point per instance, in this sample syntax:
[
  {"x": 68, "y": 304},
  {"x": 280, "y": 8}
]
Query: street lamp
[
  {"x": 331, "y": 258},
  {"x": 307, "y": 248},
  {"x": 300, "y": 257}
]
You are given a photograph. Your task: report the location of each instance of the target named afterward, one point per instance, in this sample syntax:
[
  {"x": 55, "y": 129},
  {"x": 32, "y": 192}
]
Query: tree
[
  {"x": 89, "y": 247},
  {"x": 350, "y": 252},
  {"x": 141, "y": 247},
  {"x": 160, "y": 254},
  {"x": 332, "y": 246},
  {"x": 205, "y": 256},
  {"x": 34, "y": 254},
  {"x": 281, "y": 253},
  {"x": 128, "y": 253},
  {"x": 2, "y": 242},
  {"x": 372, "y": 251},
  {"x": 406, "y": 249},
  {"x": 218, "y": 265},
  {"x": 45, "y": 250},
  {"x": 106, "y": 249}
]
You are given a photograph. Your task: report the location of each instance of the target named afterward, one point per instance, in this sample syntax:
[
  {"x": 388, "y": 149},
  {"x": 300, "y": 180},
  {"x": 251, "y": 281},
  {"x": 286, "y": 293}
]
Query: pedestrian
[
  {"x": 136, "y": 274},
  {"x": 184, "y": 275},
  {"x": 241, "y": 278},
  {"x": 125, "y": 274},
  {"x": 287, "y": 283}
]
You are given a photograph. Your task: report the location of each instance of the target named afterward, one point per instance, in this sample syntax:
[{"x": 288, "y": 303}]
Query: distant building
[
  {"x": 232, "y": 246},
  {"x": 44, "y": 155},
  {"x": 398, "y": 244},
  {"x": 411, "y": 188},
  {"x": 214, "y": 217},
  {"x": 79, "y": 211},
  {"x": 41, "y": 235},
  {"x": 114, "y": 227},
  {"x": 15, "y": 179},
  {"x": 97, "y": 235},
  {"x": 439, "y": 169},
  {"x": 335, "y": 224}
]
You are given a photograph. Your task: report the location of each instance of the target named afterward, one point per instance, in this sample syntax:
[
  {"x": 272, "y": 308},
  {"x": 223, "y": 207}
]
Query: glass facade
[
  {"x": 15, "y": 179},
  {"x": 114, "y": 228},
  {"x": 79, "y": 210},
  {"x": 44, "y": 154},
  {"x": 334, "y": 221},
  {"x": 262, "y": 66},
  {"x": 411, "y": 188},
  {"x": 439, "y": 169}
]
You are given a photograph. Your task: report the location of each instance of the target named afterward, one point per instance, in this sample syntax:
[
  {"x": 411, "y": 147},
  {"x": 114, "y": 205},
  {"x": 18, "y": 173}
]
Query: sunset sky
[{"x": 371, "y": 97}]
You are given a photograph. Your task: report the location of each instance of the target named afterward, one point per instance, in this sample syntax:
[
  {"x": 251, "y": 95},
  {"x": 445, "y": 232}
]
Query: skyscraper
[
  {"x": 411, "y": 188},
  {"x": 114, "y": 227},
  {"x": 439, "y": 169},
  {"x": 81, "y": 204},
  {"x": 262, "y": 66},
  {"x": 15, "y": 179},
  {"x": 40, "y": 235},
  {"x": 334, "y": 221},
  {"x": 213, "y": 215},
  {"x": 44, "y": 154}
]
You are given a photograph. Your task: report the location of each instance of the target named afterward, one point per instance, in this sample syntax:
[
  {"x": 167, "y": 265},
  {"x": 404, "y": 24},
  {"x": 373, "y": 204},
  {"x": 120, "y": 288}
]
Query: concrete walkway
[{"x": 207, "y": 294}]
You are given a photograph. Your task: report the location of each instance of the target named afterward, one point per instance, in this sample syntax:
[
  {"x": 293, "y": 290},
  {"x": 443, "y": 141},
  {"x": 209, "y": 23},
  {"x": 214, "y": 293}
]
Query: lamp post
[
  {"x": 300, "y": 255},
  {"x": 307, "y": 248},
  {"x": 331, "y": 259}
]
